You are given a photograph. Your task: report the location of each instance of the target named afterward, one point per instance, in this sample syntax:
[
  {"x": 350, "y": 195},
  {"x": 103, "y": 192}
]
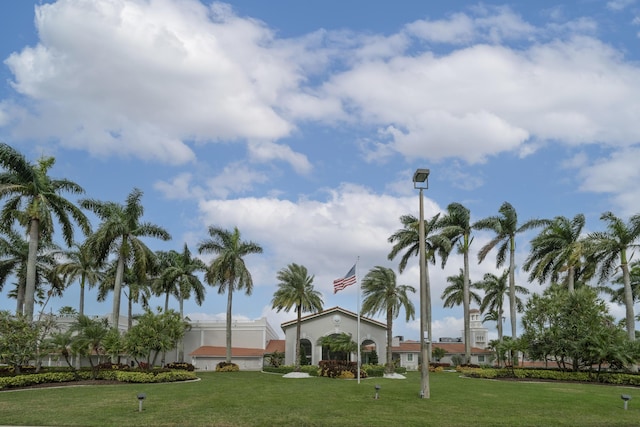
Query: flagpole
[{"x": 358, "y": 310}]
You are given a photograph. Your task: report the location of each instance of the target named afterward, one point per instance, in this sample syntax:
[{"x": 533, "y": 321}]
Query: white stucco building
[{"x": 336, "y": 320}]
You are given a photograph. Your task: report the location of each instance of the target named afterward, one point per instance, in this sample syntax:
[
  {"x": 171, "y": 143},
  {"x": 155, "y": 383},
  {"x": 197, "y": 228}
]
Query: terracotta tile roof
[
  {"x": 449, "y": 347},
  {"x": 275, "y": 345}
]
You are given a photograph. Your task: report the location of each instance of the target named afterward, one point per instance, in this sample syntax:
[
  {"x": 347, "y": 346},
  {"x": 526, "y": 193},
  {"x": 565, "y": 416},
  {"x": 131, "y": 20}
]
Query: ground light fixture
[
  {"x": 377, "y": 392},
  {"x": 141, "y": 397},
  {"x": 626, "y": 398},
  {"x": 420, "y": 182}
]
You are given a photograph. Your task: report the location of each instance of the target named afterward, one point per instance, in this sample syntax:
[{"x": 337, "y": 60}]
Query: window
[
  {"x": 410, "y": 357},
  {"x": 480, "y": 358}
]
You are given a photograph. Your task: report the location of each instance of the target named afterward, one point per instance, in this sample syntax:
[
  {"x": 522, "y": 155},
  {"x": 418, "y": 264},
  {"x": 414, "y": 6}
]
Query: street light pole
[{"x": 420, "y": 182}]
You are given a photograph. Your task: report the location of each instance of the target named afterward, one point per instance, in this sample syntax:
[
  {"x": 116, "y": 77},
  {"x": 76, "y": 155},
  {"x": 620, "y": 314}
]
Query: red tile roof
[{"x": 275, "y": 345}]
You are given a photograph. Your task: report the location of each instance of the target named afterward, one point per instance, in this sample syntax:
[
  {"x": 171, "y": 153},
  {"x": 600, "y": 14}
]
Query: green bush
[
  {"x": 373, "y": 370},
  {"x": 227, "y": 367},
  {"x": 181, "y": 366},
  {"x": 310, "y": 369},
  {"x": 283, "y": 369}
]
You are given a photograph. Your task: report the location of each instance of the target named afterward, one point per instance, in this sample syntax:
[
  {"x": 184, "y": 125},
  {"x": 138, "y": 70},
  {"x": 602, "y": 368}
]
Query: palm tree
[
  {"x": 453, "y": 295},
  {"x": 136, "y": 289},
  {"x": 33, "y": 198},
  {"x": 559, "y": 248},
  {"x": 617, "y": 295},
  {"x": 14, "y": 256},
  {"x": 381, "y": 294},
  {"x": 228, "y": 270},
  {"x": 179, "y": 275},
  {"x": 295, "y": 288},
  {"x": 612, "y": 245},
  {"x": 505, "y": 226},
  {"x": 408, "y": 239},
  {"x": 181, "y": 271},
  {"x": 81, "y": 265},
  {"x": 495, "y": 288},
  {"x": 120, "y": 233},
  {"x": 456, "y": 226}
]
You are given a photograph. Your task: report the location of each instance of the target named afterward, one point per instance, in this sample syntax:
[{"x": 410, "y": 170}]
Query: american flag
[{"x": 343, "y": 282}]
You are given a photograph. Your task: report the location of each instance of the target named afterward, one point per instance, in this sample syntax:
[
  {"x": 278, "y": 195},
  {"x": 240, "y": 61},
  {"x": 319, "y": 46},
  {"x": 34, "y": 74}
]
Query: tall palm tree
[
  {"x": 453, "y": 295},
  {"x": 505, "y": 226},
  {"x": 456, "y": 226},
  {"x": 295, "y": 288},
  {"x": 81, "y": 265},
  {"x": 381, "y": 294},
  {"x": 228, "y": 270},
  {"x": 136, "y": 289},
  {"x": 559, "y": 248},
  {"x": 120, "y": 233},
  {"x": 612, "y": 246},
  {"x": 495, "y": 289},
  {"x": 617, "y": 294},
  {"x": 407, "y": 239},
  {"x": 33, "y": 198},
  {"x": 179, "y": 275},
  {"x": 181, "y": 272},
  {"x": 14, "y": 256}
]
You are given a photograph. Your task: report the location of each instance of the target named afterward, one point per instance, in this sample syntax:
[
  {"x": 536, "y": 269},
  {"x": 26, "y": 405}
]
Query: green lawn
[{"x": 259, "y": 399}]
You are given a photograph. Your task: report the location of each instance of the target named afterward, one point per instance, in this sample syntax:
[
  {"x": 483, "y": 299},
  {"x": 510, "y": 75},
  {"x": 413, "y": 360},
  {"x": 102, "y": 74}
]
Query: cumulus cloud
[
  {"x": 140, "y": 78},
  {"x": 617, "y": 175}
]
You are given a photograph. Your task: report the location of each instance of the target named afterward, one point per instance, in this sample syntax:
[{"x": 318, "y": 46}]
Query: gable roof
[{"x": 330, "y": 311}]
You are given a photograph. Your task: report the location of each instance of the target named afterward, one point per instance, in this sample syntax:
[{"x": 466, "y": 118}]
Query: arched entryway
[
  {"x": 305, "y": 352},
  {"x": 369, "y": 353},
  {"x": 337, "y": 347}
]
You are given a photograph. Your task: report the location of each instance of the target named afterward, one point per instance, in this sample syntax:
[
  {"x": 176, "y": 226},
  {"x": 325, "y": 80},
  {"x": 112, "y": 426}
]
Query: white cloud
[
  {"x": 235, "y": 178},
  {"x": 618, "y": 175},
  {"x": 140, "y": 78},
  {"x": 265, "y": 151},
  {"x": 618, "y": 5}
]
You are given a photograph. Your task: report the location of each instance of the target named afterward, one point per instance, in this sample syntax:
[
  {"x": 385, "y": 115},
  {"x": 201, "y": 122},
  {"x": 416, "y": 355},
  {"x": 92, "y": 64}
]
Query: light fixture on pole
[{"x": 420, "y": 181}]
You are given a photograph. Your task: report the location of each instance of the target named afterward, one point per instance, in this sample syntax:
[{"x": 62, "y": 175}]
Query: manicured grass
[{"x": 259, "y": 399}]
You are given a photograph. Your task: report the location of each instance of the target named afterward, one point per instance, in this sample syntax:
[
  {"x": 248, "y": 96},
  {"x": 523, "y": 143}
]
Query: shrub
[
  {"x": 310, "y": 369},
  {"x": 227, "y": 367},
  {"x": 284, "y": 369},
  {"x": 346, "y": 375},
  {"x": 180, "y": 366},
  {"x": 333, "y": 368},
  {"x": 373, "y": 370}
]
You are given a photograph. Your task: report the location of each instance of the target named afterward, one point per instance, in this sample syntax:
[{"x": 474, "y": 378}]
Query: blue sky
[{"x": 302, "y": 123}]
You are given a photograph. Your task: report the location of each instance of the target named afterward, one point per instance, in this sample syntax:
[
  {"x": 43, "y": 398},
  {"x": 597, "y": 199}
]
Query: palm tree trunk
[
  {"x": 390, "y": 369},
  {"x": 117, "y": 290},
  {"x": 81, "y": 307},
  {"x": 129, "y": 312},
  {"x": 571, "y": 279},
  {"x": 465, "y": 303},
  {"x": 181, "y": 343},
  {"x": 512, "y": 291},
  {"x": 628, "y": 297},
  {"x": 20, "y": 299},
  {"x": 30, "y": 288},
  {"x": 229, "y": 298},
  {"x": 296, "y": 353}
]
